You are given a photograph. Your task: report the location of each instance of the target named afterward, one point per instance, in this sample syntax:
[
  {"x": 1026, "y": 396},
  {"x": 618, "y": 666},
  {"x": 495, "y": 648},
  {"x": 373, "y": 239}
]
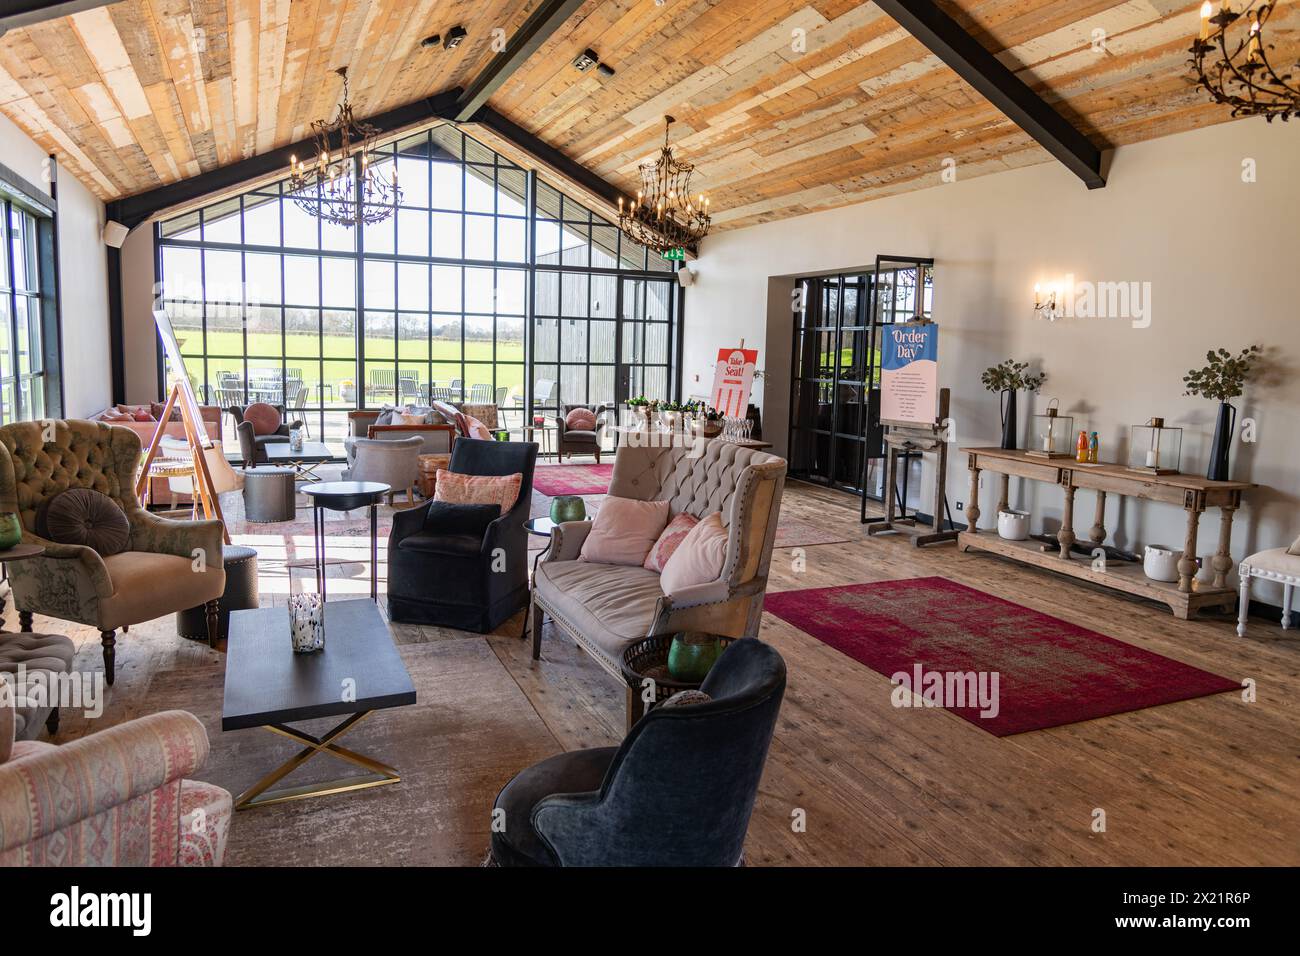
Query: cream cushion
[
  {"x": 1277, "y": 560},
  {"x": 699, "y": 558},
  {"x": 624, "y": 531}
]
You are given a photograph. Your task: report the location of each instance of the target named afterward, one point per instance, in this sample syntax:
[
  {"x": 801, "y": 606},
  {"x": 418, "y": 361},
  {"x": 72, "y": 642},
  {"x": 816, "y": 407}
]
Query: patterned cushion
[
  {"x": 448, "y": 412},
  {"x": 580, "y": 419},
  {"x": 86, "y": 517},
  {"x": 264, "y": 418},
  {"x": 685, "y": 698},
  {"x": 458, "y": 489},
  {"x": 672, "y": 536}
]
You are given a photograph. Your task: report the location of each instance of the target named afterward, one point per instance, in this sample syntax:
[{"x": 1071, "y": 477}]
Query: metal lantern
[
  {"x": 1053, "y": 434},
  {"x": 1153, "y": 449}
]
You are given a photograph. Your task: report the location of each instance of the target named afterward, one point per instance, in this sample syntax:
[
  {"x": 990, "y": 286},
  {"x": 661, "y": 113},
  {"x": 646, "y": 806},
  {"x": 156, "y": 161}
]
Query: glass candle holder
[
  {"x": 1053, "y": 436},
  {"x": 11, "y": 531},
  {"x": 568, "y": 508},
  {"x": 306, "y": 623},
  {"x": 1154, "y": 449}
]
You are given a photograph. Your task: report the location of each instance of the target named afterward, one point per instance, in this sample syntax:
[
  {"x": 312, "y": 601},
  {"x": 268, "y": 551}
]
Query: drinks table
[{"x": 345, "y": 496}]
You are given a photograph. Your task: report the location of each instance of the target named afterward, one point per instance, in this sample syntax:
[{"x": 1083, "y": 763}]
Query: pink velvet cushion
[
  {"x": 699, "y": 558},
  {"x": 448, "y": 412},
  {"x": 264, "y": 418},
  {"x": 624, "y": 531},
  {"x": 457, "y": 489},
  {"x": 672, "y": 536},
  {"x": 580, "y": 420},
  {"x": 471, "y": 427}
]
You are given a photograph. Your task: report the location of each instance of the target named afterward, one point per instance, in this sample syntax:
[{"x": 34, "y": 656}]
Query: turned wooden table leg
[
  {"x": 1066, "y": 536},
  {"x": 1222, "y": 562},
  {"x": 1187, "y": 563},
  {"x": 973, "y": 506},
  {"x": 1004, "y": 493},
  {"x": 1098, "y": 533}
]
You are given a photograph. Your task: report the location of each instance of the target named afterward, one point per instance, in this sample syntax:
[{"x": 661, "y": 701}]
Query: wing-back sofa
[
  {"x": 157, "y": 574},
  {"x": 605, "y": 608},
  {"x": 118, "y": 797}
]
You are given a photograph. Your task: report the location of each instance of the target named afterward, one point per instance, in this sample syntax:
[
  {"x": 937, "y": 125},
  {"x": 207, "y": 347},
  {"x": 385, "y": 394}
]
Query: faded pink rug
[
  {"x": 1049, "y": 672},
  {"x": 552, "y": 480}
]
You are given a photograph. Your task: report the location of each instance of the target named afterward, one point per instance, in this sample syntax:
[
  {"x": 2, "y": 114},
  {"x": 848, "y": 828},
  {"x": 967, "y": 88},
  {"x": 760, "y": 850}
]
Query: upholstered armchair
[
  {"x": 118, "y": 797},
  {"x": 364, "y": 423},
  {"x": 396, "y": 463},
  {"x": 252, "y": 447},
  {"x": 605, "y": 608},
  {"x": 167, "y": 565},
  {"x": 572, "y": 441},
  {"x": 472, "y": 576},
  {"x": 679, "y": 790}
]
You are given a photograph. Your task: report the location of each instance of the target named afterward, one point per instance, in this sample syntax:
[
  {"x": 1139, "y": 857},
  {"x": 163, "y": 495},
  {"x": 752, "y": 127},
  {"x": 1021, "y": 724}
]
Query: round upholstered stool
[
  {"x": 269, "y": 494},
  {"x": 39, "y": 658},
  {"x": 240, "y": 595}
]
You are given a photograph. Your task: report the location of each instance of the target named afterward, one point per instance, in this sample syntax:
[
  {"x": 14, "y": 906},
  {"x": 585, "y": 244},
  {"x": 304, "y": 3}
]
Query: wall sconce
[{"x": 1045, "y": 305}]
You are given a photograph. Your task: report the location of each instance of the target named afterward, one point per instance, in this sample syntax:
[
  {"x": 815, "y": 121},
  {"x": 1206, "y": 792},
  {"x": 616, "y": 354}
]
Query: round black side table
[{"x": 345, "y": 496}]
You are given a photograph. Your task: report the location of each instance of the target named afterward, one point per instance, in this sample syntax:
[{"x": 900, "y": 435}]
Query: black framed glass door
[{"x": 645, "y": 339}]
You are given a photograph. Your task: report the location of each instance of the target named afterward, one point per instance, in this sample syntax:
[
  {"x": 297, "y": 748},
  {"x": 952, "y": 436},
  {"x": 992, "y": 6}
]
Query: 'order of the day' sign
[
  {"x": 909, "y": 374},
  {"x": 733, "y": 377}
]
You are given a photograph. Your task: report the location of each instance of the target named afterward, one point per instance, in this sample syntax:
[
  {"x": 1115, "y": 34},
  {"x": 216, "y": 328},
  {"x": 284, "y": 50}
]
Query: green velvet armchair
[{"x": 167, "y": 565}]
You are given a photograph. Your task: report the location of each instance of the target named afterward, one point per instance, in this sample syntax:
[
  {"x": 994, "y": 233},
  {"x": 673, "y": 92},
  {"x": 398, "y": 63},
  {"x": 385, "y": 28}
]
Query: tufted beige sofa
[
  {"x": 159, "y": 572},
  {"x": 606, "y": 608}
]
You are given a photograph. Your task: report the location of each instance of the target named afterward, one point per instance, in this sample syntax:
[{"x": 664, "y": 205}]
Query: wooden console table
[{"x": 1194, "y": 494}]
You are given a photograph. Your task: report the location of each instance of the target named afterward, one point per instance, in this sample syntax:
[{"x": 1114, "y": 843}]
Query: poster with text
[
  {"x": 733, "y": 377},
  {"x": 909, "y": 374}
]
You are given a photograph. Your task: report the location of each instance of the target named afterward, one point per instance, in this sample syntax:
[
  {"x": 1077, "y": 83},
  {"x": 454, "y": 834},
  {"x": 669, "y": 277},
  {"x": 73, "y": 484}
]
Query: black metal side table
[{"x": 345, "y": 496}]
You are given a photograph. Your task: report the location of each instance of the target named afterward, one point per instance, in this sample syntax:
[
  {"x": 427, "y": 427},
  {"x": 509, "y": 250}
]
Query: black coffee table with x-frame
[{"x": 268, "y": 685}]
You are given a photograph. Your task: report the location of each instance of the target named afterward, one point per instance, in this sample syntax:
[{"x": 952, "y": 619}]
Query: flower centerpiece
[
  {"x": 1222, "y": 379},
  {"x": 1010, "y": 378}
]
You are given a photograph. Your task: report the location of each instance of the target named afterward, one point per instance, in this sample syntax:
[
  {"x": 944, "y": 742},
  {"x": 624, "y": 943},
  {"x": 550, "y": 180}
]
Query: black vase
[
  {"x": 1224, "y": 428},
  {"x": 1009, "y": 429}
]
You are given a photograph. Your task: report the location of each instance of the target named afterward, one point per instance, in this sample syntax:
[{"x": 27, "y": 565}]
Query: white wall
[
  {"x": 83, "y": 273},
  {"x": 1220, "y": 254}
]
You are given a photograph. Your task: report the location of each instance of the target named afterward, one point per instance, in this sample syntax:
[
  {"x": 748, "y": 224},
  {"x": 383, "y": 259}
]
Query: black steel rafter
[
  {"x": 945, "y": 38},
  {"x": 23, "y": 13}
]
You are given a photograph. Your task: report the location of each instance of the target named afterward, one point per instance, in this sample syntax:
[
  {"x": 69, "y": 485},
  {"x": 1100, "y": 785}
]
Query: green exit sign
[{"x": 674, "y": 255}]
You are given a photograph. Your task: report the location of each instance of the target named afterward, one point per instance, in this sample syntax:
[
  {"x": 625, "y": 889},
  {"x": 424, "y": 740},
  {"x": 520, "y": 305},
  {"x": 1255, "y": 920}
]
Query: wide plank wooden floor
[{"x": 852, "y": 780}]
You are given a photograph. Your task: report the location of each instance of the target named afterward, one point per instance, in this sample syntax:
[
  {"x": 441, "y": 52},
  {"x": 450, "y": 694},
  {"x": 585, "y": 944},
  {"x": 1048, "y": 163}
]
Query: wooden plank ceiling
[{"x": 785, "y": 106}]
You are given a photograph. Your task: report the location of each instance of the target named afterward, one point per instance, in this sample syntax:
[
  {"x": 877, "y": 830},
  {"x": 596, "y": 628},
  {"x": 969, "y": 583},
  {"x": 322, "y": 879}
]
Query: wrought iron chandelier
[
  {"x": 343, "y": 185},
  {"x": 665, "y": 216},
  {"x": 1232, "y": 62}
]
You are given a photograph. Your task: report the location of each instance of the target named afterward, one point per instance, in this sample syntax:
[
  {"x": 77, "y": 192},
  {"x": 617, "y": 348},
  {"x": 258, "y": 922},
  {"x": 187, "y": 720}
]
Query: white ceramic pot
[
  {"x": 1160, "y": 563},
  {"x": 1013, "y": 525}
]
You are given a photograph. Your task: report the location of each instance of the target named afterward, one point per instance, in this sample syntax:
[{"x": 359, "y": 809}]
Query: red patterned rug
[
  {"x": 555, "y": 480},
  {"x": 950, "y": 641}
]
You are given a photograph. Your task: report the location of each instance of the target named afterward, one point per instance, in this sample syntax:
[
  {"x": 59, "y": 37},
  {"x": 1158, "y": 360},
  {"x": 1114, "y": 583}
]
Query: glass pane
[
  {"x": 302, "y": 332},
  {"x": 445, "y": 286},
  {"x": 339, "y": 283},
  {"x": 446, "y": 193},
  {"x": 412, "y": 336},
  {"x": 412, "y": 232},
  {"x": 413, "y": 177},
  {"x": 546, "y": 340},
  {"x": 446, "y": 235},
  {"x": 379, "y": 237},
  {"x": 479, "y": 290},
  {"x": 262, "y": 220},
  {"x": 301, "y": 280},
  {"x": 511, "y": 291},
  {"x": 413, "y": 286},
  {"x": 480, "y": 238},
  {"x": 301, "y": 228},
  {"x": 480, "y": 191},
  {"x": 221, "y": 222},
  {"x": 380, "y": 284},
  {"x": 380, "y": 332},
  {"x": 510, "y": 240},
  {"x": 262, "y": 278}
]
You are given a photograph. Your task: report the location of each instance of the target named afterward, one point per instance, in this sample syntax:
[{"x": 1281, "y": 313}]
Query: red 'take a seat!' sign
[{"x": 733, "y": 377}]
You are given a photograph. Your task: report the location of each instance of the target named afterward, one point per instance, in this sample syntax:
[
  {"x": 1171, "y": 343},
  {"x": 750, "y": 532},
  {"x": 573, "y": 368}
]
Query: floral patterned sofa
[{"x": 114, "y": 798}]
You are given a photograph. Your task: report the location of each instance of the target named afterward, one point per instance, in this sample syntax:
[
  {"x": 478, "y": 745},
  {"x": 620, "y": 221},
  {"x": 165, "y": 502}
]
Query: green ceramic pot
[
  {"x": 691, "y": 655},
  {"x": 568, "y": 508},
  {"x": 11, "y": 531}
]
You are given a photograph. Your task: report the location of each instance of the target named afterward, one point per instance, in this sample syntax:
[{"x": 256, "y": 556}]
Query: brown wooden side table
[{"x": 647, "y": 660}]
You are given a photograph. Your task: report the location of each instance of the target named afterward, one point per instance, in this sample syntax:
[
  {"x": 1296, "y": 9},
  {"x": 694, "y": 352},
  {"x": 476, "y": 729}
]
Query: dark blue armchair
[
  {"x": 443, "y": 565},
  {"x": 678, "y": 792}
]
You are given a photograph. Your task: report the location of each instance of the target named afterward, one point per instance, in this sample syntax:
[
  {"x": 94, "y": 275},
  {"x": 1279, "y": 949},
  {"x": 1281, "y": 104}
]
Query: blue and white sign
[{"x": 909, "y": 374}]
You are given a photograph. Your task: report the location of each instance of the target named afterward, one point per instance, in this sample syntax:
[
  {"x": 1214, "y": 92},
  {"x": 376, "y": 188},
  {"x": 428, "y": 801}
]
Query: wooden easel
[
  {"x": 182, "y": 395},
  {"x": 904, "y": 437}
]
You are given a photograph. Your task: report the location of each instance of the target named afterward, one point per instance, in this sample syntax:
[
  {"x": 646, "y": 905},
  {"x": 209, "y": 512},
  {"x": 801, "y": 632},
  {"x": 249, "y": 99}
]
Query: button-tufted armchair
[
  {"x": 605, "y": 608},
  {"x": 168, "y": 565}
]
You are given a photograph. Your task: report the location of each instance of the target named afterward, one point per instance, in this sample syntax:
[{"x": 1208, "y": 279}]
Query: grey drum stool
[
  {"x": 240, "y": 595},
  {"x": 42, "y": 657},
  {"x": 269, "y": 494}
]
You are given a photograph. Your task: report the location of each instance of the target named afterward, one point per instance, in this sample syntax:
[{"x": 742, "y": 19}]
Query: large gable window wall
[{"x": 447, "y": 299}]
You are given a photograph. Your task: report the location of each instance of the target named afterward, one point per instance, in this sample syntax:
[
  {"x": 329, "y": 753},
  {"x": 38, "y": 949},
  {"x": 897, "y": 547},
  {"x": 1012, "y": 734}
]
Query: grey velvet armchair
[
  {"x": 679, "y": 791},
  {"x": 167, "y": 565},
  {"x": 396, "y": 463},
  {"x": 605, "y": 608}
]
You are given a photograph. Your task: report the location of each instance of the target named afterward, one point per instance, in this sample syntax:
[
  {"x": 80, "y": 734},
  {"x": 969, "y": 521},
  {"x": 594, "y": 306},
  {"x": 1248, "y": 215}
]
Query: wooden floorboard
[{"x": 1206, "y": 781}]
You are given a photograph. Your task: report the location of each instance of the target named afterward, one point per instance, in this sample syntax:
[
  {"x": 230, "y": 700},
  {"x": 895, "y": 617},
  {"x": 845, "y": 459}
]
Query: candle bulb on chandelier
[
  {"x": 1207, "y": 11},
  {"x": 1254, "y": 41}
]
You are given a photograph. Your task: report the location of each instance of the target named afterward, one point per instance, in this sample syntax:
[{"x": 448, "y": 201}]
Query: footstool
[
  {"x": 269, "y": 494},
  {"x": 1277, "y": 564},
  {"x": 42, "y": 657},
  {"x": 428, "y": 477},
  {"x": 240, "y": 595}
]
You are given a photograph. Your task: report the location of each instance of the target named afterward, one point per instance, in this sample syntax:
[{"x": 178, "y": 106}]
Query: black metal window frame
[
  {"x": 372, "y": 252},
  {"x": 32, "y": 381}
]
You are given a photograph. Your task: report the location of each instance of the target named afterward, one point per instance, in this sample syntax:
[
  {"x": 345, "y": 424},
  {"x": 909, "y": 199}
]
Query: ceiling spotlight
[
  {"x": 605, "y": 70},
  {"x": 454, "y": 36},
  {"x": 430, "y": 42},
  {"x": 585, "y": 61}
]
